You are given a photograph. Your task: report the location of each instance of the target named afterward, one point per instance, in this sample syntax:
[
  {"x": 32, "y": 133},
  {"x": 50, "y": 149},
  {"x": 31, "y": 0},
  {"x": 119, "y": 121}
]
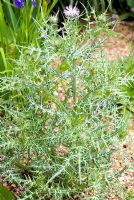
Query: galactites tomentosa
[{"x": 71, "y": 11}]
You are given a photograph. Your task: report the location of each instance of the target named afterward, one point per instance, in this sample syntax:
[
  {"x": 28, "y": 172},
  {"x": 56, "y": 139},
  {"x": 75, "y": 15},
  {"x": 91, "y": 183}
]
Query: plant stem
[{"x": 74, "y": 82}]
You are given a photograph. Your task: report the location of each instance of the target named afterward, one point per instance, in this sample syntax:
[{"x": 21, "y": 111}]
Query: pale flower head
[
  {"x": 53, "y": 19},
  {"x": 71, "y": 11}
]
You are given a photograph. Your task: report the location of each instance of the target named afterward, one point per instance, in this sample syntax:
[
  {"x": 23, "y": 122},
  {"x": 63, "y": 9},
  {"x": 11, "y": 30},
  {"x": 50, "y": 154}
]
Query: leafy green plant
[
  {"x": 130, "y": 3},
  {"x": 129, "y": 88},
  {"x": 61, "y": 118},
  {"x": 5, "y": 193}
]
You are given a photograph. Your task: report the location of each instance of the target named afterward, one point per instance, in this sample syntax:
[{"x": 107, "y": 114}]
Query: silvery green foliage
[{"x": 61, "y": 114}]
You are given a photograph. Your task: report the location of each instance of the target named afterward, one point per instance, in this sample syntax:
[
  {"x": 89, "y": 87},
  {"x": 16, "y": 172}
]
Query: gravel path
[{"x": 121, "y": 45}]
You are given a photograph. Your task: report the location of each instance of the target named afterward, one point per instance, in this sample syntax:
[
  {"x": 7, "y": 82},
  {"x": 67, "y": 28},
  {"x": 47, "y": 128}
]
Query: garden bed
[{"x": 121, "y": 45}]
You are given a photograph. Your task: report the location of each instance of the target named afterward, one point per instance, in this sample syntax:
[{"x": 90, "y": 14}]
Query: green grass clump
[
  {"x": 18, "y": 27},
  {"x": 60, "y": 115}
]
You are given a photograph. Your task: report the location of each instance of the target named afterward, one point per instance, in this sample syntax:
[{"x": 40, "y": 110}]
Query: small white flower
[{"x": 71, "y": 11}]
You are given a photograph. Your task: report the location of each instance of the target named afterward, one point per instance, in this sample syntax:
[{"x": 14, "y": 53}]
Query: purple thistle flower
[
  {"x": 71, "y": 11},
  {"x": 19, "y": 3}
]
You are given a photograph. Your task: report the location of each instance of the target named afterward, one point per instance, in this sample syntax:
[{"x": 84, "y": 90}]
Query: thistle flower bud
[{"x": 53, "y": 19}]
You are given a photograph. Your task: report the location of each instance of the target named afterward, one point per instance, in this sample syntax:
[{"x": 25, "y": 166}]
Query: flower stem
[{"x": 74, "y": 82}]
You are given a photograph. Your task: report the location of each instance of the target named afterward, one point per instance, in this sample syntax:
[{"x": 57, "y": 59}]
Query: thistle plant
[{"x": 61, "y": 117}]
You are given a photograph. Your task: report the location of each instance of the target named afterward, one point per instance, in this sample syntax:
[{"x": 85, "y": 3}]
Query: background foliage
[{"x": 18, "y": 27}]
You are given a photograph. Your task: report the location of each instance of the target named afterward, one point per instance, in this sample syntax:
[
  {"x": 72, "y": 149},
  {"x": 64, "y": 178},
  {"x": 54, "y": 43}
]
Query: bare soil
[
  {"x": 122, "y": 161},
  {"x": 121, "y": 45}
]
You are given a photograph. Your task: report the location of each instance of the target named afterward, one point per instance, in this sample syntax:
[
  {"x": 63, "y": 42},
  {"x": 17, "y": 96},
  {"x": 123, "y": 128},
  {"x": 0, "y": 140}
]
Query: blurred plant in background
[
  {"x": 18, "y": 27},
  {"x": 122, "y": 5},
  {"x": 19, "y": 3}
]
